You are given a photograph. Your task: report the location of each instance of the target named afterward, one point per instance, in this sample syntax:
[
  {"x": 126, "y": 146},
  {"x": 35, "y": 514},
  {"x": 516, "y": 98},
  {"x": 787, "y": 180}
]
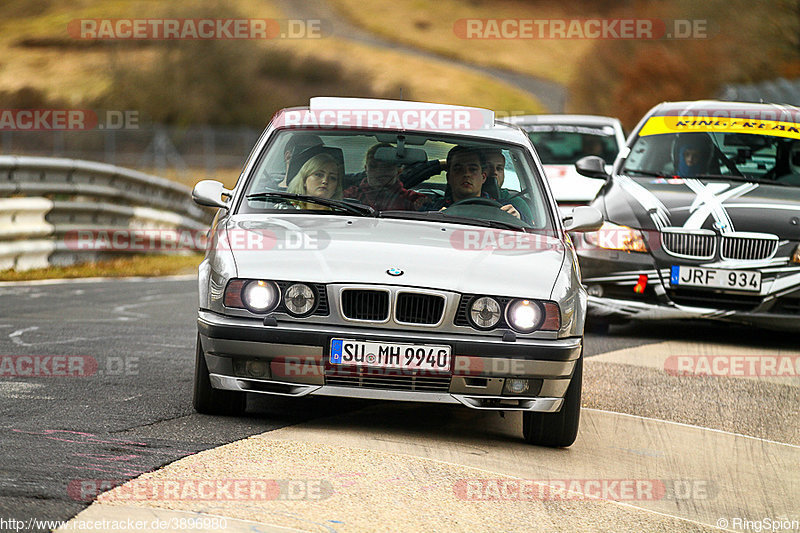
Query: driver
[
  {"x": 692, "y": 154},
  {"x": 465, "y": 179}
]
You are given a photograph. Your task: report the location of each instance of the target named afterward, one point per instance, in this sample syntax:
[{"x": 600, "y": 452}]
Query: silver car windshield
[
  {"x": 398, "y": 175},
  {"x": 743, "y": 156}
]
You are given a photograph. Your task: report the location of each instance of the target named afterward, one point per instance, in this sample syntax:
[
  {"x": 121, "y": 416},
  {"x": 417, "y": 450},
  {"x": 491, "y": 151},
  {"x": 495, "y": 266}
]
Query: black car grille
[
  {"x": 714, "y": 300},
  {"x": 365, "y": 304},
  {"x": 690, "y": 245},
  {"x": 748, "y": 248},
  {"x": 388, "y": 379},
  {"x": 702, "y": 245},
  {"x": 416, "y": 308}
]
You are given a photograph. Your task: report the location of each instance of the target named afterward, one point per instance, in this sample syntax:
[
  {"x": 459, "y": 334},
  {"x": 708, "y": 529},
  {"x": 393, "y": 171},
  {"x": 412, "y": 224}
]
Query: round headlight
[
  {"x": 484, "y": 313},
  {"x": 260, "y": 296},
  {"x": 524, "y": 316},
  {"x": 299, "y": 299}
]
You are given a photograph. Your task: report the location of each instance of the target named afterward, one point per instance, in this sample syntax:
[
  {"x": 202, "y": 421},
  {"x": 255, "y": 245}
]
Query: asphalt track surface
[{"x": 133, "y": 413}]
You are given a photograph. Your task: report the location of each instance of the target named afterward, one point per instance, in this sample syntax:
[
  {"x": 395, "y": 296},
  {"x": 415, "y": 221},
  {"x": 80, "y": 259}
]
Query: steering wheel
[{"x": 478, "y": 200}]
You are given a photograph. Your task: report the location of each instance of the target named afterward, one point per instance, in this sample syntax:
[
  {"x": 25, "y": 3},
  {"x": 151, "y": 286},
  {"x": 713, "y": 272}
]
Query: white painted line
[{"x": 722, "y": 431}]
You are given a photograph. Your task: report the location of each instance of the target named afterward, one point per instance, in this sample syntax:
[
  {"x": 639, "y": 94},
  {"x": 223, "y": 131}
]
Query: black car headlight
[
  {"x": 299, "y": 299},
  {"x": 617, "y": 237},
  {"x": 524, "y": 316},
  {"x": 484, "y": 312}
]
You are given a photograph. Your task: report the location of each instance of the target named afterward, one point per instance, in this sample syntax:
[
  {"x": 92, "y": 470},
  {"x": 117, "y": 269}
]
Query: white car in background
[{"x": 561, "y": 140}]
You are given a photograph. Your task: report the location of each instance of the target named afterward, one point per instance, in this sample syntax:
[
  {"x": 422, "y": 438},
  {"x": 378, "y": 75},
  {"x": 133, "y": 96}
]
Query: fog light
[
  {"x": 516, "y": 386},
  {"x": 257, "y": 369}
]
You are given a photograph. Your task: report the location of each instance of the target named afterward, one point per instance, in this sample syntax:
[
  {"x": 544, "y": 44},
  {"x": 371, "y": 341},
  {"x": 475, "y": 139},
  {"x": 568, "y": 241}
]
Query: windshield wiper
[
  {"x": 353, "y": 208},
  {"x": 444, "y": 217}
]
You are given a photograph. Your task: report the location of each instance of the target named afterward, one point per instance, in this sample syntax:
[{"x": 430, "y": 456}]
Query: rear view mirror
[
  {"x": 591, "y": 166},
  {"x": 400, "y": 155}
]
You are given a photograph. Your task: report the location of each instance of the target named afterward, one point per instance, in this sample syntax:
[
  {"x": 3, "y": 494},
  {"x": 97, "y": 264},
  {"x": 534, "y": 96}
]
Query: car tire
[
  {"x": 557, "y": 430},
  {"x": 210, "y": 401}
]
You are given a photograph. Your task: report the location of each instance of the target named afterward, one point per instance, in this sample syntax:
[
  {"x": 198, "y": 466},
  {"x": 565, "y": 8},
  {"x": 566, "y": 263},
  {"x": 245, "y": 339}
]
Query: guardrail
[{"x": 45, "y": 202}]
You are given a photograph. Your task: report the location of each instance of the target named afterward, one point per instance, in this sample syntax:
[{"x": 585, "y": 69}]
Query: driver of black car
[
  {"x": 465, "y": 179},
  {"x": 693, "y": 155}
]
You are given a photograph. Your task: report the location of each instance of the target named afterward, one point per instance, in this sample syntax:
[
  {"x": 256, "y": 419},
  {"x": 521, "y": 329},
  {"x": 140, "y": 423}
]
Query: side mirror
[
  {"x": 584, "y": 218},
  {"x": 592, "y": 166},
  {"x": 210, "y": 193}
]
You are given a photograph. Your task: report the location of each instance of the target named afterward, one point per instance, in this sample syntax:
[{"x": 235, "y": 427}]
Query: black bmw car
[{"x": 702, "y": 213}]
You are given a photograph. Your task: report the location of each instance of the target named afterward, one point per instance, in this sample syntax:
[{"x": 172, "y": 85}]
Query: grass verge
[
  {"x": 431, "y": 26},
  {"x": 140, "y": 265}
]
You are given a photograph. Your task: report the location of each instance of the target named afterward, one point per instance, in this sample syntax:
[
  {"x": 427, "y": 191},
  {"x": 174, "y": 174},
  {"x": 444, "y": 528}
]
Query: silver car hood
[{"x": 344, "y": 249}]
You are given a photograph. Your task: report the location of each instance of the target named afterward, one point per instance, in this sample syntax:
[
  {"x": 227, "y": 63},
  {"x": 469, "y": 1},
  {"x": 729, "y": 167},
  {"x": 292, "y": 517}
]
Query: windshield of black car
[
  {"x": 753, "y": 157},
  {"x": 395, "y": 173},
  {"x": 562, "y": 144}
]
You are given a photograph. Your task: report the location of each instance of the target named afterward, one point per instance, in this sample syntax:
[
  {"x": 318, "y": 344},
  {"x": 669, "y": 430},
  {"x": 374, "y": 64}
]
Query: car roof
[
  {"x": 329, "y": 113},
  {"x": 706, "y": 106},
  {"x": 593, "y": 120}
]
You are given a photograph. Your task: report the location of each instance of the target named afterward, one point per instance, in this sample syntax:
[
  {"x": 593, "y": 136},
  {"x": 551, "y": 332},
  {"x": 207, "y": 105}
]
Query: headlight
[
  {"x": 299, "y": 299},
  {"x": 260, "y": 296},
  {"x": 524, "y": 316},
  {"x": 484, "y": 313},
  {"x": 615, "y": 237},
  {"x": 796, "y": 254}
]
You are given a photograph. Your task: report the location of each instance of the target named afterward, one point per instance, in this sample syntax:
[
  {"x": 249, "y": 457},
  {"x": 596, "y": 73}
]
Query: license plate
[
  {"x": 715, "y": 278},
  {"x": 390, "y": 355}
]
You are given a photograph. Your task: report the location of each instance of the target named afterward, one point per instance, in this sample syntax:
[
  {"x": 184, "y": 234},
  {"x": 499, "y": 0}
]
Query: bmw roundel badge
[{"x": 394, "y": 272}]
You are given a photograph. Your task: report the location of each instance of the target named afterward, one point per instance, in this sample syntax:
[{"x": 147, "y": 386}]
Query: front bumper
[
  {"x": 292, "y": 360},
  {"x": 611, "y": 279}
]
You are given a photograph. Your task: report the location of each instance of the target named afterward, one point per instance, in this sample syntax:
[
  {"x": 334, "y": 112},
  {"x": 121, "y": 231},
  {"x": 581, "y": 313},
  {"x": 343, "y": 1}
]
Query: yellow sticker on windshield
[{"x": 661, "y": 125}]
